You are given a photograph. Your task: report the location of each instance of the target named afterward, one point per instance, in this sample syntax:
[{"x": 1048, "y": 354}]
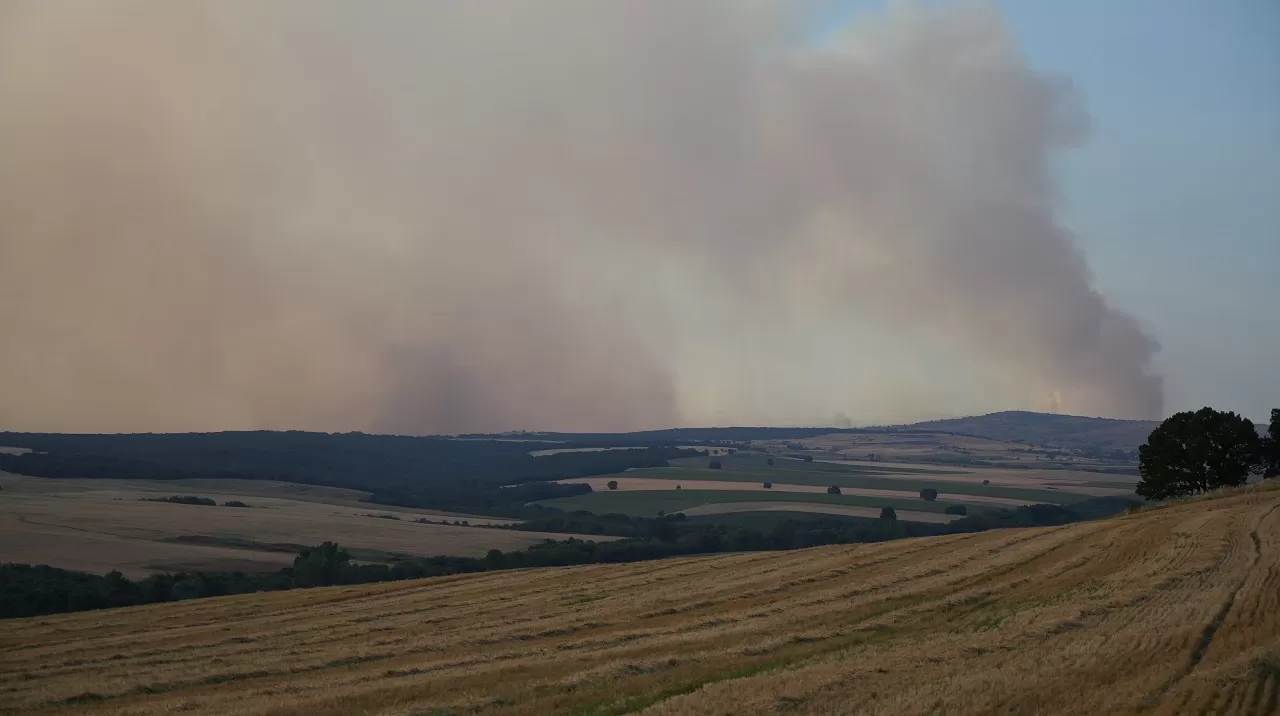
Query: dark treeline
[
  {"x": 35, "y": 590},
  {"x": 672, "y": 436},
  {"x": 436, "y": 473}
]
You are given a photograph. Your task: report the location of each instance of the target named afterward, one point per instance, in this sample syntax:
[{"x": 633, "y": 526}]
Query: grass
[
  {"x": 1165, "y": 611},
  {"x": 647, "y": 503}
]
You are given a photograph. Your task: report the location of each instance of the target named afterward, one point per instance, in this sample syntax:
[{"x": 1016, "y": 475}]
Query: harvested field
[
  {"x": 100, "y": 525},
  {"x": 625, "y": 483},
  {"x": 648, "y": 503},
  {"x": 1168, "y": 611},
  {"x": 726, "y": 508}
]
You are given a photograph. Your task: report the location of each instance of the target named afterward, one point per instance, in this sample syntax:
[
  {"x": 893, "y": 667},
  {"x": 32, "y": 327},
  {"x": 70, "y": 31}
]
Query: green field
[
  {"x": 784, "y": 475},
  {"x": 647, "y": 503}
]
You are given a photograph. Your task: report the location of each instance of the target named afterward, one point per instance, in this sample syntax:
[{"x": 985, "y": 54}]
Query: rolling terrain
[
  {"x": 1166, "y": 611},
  {"x": 1070, "y": 431},
  {"x": 103, "y": 525},
  {"x": 690, "y": 486}
]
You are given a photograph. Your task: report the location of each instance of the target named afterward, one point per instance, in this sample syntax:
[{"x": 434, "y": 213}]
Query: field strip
[
  {"x": 650, "y": 484},
  {"x": 724, "y": 508}
]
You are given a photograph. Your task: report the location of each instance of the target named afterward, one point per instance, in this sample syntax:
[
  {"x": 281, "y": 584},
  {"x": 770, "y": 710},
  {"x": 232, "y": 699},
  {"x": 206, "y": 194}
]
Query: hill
[
  {"x": 1068, "y": 431},
  {"x": 1166, "y": 611}
]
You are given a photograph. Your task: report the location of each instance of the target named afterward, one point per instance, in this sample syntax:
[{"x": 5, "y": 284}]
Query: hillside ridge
[{"x": 1168, "y": 610}]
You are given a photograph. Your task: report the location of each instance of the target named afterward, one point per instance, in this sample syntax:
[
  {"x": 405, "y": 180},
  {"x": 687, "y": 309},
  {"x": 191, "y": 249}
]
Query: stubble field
[
  {"x": 1167, "y": 611},
  {"x": 101, "y": 525}
]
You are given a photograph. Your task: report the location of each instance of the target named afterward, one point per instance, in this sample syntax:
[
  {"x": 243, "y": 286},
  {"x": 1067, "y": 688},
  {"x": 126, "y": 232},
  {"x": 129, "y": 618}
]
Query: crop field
[
  {"x": 864, "y": 486},
  {"x": 942, "y": 448},
  {"x": 647, "y": 503},
  {"x": 1166, "y": 611},
  {"x": 100, "y": 525}
]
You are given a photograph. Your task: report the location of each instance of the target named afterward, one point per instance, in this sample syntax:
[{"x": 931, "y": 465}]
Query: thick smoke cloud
[{"x": 459, "y": 216}]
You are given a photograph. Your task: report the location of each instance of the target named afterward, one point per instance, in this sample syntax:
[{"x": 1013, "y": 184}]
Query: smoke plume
[{"x": 464, "y": 216}]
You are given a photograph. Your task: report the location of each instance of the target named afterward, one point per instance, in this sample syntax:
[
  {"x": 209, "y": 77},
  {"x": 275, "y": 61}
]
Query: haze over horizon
[{"x": 444, "y": 218}]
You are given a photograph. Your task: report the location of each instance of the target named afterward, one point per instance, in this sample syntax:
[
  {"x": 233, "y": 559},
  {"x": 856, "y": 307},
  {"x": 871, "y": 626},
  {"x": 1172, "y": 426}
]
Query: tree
[
  {"x": 678, "y": 487},
  {"x": 715, "y": 465},
  {"x": 888, "y": 513},
  {"x": 956, "y": 510},
  {"x": 769, "y": 461},
  {"x": 808, "y": 458},
  {"x": 768, "y": 485},
  {"x": 318, "y": 566},
  {"x": 1192, "y": 452},
  {"x": 928, "y": 494},
  {"x": 612, "y": 484},
  {"x": 1270, "y": 463},
  {"x": 833, "y": 490},
  {"x": 986, "y": 482}
]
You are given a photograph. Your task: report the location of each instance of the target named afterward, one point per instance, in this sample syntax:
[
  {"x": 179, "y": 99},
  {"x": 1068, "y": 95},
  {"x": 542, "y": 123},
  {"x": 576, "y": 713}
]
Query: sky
[
  {"x": 460, "y": 217},
  {"x": 1175, "y": 194}
]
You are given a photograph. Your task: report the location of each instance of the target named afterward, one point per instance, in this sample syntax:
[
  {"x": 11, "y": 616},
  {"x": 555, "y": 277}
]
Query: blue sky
[{"x": 1175, "y": 196}]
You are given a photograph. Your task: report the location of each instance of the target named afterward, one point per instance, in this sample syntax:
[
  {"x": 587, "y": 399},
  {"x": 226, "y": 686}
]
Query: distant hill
[{"x": 1068, "y": 431}]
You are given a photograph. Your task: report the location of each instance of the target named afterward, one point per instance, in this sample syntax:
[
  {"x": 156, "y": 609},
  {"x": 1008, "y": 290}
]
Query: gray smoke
[{"x": 459, "y": 216}]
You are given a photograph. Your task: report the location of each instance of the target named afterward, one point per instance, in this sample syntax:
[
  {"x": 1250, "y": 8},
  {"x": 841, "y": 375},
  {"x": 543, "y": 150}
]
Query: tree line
[{"x": 469, "y": 476}]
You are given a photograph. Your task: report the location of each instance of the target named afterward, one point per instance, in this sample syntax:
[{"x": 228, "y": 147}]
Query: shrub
[
  {"x": 833, "y": 490},
  {"x": 612, "y": 484},
  {"x": 768, "y": 485},
  {"x": 808, "y": 458},
  {"x": 986, "y": 482},
  {"x": 956, "y": 510},
  {"x": 888, "y": 513},
  {"x": 715, "y": 465},
  {"x": 234, "y": 503},
  {"x": 928, "y": 494},
  {"x": 769, "y": 461}
]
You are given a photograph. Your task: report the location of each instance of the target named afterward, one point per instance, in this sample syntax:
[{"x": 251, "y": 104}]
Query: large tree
[
  {"x": 1196, "y": 451},
  {"x": 1270, "y": 462}
]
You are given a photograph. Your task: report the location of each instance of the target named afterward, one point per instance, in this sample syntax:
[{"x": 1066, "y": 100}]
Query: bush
[
  {"x": 678, "y": 487},
  {"x": 833, "y": 490},
  {"x": 769, "y": 461},
  {"x": 715, "y": 465},
  {"x": 234, "y": 503},
  {"x": 768, "y": 485},
  {"x": 986, "y": 482},
  {"x": 612, "y": 484},
  {"x": 928, "y": 494},
  {"x": 808, "y": 458},
  {"x": 956, "y": 510},
  {"x": 888, "y": 513}
]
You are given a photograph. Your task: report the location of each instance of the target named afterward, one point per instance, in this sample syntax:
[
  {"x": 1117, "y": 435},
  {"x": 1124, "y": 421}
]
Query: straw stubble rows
[{"x": 1165, "y": 611}]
